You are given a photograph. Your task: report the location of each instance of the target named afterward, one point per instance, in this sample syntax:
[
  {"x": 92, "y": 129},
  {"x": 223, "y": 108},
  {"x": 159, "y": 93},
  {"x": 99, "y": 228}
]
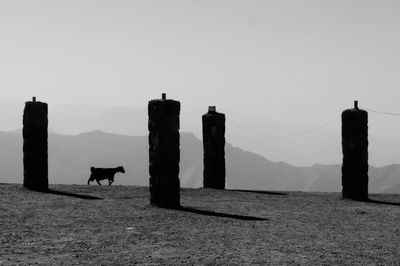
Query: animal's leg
[
  {"x": 98, "y": 182},
  {"x": 91, "y": 178},
  {"x": 110, "y": 181}
]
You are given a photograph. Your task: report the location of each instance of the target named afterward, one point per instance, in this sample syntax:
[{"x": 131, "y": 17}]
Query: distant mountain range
[
  {"x": 71, "y": 156},
  {"x": 321, "y": 146}
]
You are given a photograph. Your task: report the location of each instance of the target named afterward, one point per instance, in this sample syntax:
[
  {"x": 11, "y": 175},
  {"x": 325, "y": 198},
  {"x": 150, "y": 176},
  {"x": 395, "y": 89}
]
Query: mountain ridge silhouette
[{"x": 71, "y": 156}]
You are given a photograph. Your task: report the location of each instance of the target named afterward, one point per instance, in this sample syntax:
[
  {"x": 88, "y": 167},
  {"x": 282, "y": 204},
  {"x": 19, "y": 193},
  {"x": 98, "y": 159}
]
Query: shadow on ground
[
  {"x": 218, "y": 214},
  {"x": 378, "y": 202},
  {"x": 69, "y": 194},
  {"x": 259, "y": 191},
  {"x": 383, "y": 202}
]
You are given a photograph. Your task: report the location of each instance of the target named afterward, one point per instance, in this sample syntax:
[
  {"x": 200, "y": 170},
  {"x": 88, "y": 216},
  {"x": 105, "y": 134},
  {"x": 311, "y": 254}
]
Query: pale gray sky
[{"x": 301, "y": 61}]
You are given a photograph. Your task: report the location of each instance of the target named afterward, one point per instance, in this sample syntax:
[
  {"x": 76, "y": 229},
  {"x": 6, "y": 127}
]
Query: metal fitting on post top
[{"x": 212, "y": 109}]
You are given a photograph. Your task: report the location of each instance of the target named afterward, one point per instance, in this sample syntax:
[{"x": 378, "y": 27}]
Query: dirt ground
[{"x": 102, "y": 225}]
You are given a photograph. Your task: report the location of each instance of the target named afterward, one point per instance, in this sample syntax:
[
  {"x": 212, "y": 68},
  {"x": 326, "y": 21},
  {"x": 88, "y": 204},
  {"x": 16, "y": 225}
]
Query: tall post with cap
[
  {"x": 164, "y": 153},
  {"x": 214, "y": 149},
  {"x": 35, "y": 157},
  {"x": 355, "y": 153}
]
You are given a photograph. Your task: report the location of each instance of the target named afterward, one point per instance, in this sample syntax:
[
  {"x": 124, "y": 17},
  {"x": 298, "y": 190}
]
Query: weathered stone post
[
  {"x": 34, "y": 133},
  {"x": 355, "y": 153},
  {"x": 164, "y": 153},
  {"x": 214, "y": 149}
]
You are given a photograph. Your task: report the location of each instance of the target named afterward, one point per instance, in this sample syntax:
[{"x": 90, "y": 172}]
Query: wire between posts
[
  {"x": 381, "y": 112},
  {"x": 304, "y": 132},
  {"x": 284, "y": 136}
]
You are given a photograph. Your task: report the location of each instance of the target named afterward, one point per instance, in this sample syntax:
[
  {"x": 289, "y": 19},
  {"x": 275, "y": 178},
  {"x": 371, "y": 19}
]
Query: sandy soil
[{"x": 68, "y": 227}]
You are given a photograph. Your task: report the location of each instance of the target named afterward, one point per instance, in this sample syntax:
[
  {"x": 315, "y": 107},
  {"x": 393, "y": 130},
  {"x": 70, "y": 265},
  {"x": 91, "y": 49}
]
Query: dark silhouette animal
[{"x": 104, "y": 173}]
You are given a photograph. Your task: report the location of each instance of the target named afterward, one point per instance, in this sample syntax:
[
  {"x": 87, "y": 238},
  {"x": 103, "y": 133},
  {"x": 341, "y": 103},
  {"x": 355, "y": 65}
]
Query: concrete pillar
[
  {"x": 164, "y": 153},
  {"x": 34, "y": 133},
  {"x": 355, "y": 153},
  {"x": 214, "y": 149}
]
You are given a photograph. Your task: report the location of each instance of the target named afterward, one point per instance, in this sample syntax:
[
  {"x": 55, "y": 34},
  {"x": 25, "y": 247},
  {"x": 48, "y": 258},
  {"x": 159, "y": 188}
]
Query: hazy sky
[{"x": 301, "y": 61}]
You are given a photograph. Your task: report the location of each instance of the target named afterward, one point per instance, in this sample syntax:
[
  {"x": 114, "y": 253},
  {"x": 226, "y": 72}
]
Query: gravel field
[{"x": 102, "y": 225}]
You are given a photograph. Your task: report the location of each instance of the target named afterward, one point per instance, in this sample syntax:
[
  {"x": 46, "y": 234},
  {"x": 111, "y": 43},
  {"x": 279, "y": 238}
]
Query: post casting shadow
[
  {"x": 69, "y": 194},
  {"x": 259, "y": 191},
  {"x": 218, "y": 214}
]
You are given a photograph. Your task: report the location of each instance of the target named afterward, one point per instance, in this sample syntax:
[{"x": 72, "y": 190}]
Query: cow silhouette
[{"x": 104, "y": 173}]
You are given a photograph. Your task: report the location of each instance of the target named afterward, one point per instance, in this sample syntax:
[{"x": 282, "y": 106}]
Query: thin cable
[
  {"x": 284, "y": 136},
  {"x": 381, "y": 112},
  {"x": 251, "y": 131}
]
